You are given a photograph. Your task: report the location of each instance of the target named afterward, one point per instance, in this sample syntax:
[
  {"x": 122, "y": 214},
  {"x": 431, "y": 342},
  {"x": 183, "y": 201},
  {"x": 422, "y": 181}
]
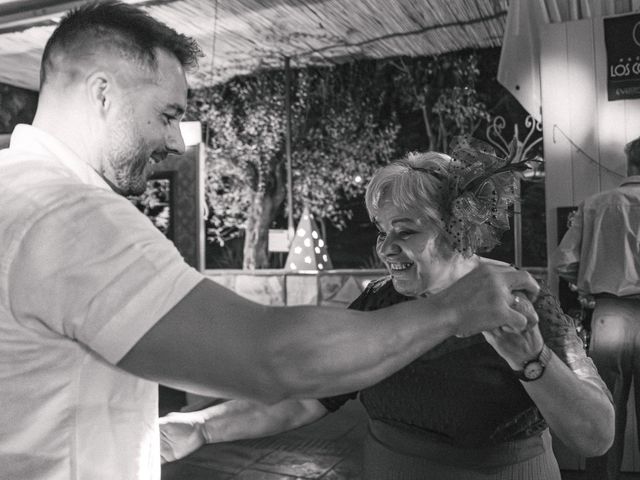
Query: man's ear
[{"x": 99, "y": 89}]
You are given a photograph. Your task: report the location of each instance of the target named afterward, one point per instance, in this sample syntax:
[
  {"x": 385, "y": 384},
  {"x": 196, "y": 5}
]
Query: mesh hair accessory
[{"x": 481, "y": 188}]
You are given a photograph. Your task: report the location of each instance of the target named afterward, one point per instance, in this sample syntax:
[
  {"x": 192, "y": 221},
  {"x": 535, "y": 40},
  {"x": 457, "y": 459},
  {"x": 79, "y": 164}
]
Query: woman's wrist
[{"x": 533, "y": 368}]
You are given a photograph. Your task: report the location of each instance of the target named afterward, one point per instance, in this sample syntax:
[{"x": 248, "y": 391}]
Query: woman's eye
[
  {"x": 167, "y": 118},
  {"x": 404, "y": 234}
]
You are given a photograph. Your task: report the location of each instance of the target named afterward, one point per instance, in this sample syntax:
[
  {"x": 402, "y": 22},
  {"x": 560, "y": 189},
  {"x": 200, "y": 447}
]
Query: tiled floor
[{"x": 326, "y": 450}]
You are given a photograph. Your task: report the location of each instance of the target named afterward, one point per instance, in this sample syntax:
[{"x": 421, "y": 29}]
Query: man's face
[{"x": 145, "y": 126}]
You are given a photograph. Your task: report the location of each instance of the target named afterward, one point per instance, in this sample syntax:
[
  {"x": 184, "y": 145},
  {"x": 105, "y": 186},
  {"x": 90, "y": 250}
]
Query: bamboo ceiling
[{"x": 241, "y": 36}]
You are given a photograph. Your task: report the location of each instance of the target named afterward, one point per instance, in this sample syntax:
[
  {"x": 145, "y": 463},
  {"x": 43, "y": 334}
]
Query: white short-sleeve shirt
[{"x": 83, "y": 276}]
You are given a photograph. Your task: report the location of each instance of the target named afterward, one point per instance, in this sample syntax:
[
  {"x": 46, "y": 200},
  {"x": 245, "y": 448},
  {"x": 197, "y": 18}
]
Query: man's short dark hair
[
  {"x": 117, "y": 26},
  {"x": 632, "y": 150}
]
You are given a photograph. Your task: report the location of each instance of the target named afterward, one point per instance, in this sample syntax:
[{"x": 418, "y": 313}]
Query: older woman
[{"x": 476, "y": 407}]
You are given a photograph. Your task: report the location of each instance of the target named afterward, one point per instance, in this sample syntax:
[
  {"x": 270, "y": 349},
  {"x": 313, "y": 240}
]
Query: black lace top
[{"x": 462, "y": 391}]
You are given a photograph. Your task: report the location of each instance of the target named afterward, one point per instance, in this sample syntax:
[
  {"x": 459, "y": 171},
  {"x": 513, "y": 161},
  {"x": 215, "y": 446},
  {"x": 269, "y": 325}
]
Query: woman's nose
[{"x": 389, "y": 246}]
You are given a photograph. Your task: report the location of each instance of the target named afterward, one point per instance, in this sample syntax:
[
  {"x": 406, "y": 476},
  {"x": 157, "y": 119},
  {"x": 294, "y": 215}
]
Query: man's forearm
[
  {"x": 352, "y": 350},
  {"x": 232, "y": 348}
]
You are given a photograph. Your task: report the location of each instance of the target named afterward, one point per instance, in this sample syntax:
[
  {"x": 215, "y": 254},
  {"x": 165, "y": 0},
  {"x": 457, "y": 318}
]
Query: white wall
[{"x": 579, "y": 122}]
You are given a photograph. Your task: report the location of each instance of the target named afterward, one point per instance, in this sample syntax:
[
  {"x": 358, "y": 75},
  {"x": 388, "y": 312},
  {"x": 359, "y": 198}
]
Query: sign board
[
  {"x": 622, "y": 43},
  {"x": 278, "y": 240}
]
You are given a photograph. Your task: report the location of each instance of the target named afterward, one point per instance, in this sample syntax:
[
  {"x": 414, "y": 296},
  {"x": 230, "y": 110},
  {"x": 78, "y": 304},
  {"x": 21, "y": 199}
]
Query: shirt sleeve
[
  {"x": 566, "y": 257},
  {"x": 94, "y": 269},
  {"x": 559, "y": 332}
]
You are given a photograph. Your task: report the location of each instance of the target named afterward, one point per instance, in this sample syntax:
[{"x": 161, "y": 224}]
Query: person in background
[
  {"x": 97, "y": 307},
  {"x": 477, "y": 407},
  {"x": 600, "y": 254}
]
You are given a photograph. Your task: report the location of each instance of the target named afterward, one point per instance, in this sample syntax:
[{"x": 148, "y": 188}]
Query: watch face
[{"x": 533, "y": 370}]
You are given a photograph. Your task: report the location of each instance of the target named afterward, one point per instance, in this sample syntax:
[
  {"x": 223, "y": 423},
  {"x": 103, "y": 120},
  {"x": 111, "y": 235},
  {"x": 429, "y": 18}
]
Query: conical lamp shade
[{"x": 308, "y": 250}]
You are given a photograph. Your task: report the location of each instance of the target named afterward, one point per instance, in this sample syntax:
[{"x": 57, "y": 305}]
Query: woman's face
[{"x": 409, "y": 247}]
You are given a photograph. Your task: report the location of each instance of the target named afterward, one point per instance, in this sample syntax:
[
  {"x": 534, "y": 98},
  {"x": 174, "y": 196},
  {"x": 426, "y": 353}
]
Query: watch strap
[{"x": 534, "y": 369}]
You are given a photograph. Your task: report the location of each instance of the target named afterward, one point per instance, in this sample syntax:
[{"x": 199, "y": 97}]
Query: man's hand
[
  {"x": 180, "y": 435},
  {"x": 484, "y": 299}
]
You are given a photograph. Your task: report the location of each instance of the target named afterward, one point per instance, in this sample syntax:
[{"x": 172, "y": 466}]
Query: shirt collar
[{"x": 33, "y": 140}]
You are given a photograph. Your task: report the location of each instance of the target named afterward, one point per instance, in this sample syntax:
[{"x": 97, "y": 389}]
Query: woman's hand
[
  {"x": 180, "y": 435},
  {"x": 517, "y": 346}
]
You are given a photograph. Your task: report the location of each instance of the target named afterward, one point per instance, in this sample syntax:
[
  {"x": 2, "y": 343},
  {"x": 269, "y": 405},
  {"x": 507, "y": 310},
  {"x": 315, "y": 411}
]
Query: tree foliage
[
  {"x": 17, "y": 105},
  {"x": 443, "y": 90},
  {"x": 337, "y": 139}
]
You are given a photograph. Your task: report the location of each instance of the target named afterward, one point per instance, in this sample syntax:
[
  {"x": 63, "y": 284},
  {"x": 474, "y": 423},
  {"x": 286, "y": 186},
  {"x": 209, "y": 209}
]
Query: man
[
  {"x": 97, "y": 307},
  {"x": 600, "y": 254}
]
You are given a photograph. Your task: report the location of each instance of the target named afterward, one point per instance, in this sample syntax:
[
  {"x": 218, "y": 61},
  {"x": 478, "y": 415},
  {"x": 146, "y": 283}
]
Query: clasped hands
[
  {"x": 495, "y": 299},
  {"x": 516, "y": 345}
]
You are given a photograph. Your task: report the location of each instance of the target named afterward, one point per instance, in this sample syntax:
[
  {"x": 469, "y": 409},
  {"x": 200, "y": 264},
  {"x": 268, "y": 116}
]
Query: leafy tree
[
  {"x": 336, "y": 142},
  {"x": 17, "y": 105},
  {"x": 443, "y": 89},
  {"x": 245, "y": 168},
  {"x": 155, "y": 204}
]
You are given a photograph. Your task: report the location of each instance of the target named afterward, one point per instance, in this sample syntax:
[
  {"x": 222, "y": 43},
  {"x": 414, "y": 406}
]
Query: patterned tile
[
  {"x": 259, "y": 475},
  {"x": 184, "y": 471},
  {"x": 348, "y": 469},
  {"x": 232, "y": 457},
  {"x": 297, "y": 464}
]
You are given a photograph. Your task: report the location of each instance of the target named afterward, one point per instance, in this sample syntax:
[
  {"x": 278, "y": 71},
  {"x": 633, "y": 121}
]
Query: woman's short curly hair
[{"x": 418, "y": 182}]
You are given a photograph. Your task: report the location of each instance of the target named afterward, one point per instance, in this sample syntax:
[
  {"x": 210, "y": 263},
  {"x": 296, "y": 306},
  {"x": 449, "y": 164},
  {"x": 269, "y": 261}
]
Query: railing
[{"x": 327, "y": 287}]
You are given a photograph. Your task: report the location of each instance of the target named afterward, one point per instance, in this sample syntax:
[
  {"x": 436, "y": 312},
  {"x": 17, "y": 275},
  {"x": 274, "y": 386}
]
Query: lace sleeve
[{"x": 559, "y": 332}]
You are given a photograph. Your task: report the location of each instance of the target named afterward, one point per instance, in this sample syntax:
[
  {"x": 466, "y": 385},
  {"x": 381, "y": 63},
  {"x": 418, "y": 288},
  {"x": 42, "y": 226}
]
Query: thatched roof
[{"x": 240, "y": 36}]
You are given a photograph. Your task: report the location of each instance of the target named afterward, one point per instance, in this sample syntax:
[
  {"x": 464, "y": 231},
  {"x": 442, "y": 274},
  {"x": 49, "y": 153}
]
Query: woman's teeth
[{"x": 396, "y": 267}]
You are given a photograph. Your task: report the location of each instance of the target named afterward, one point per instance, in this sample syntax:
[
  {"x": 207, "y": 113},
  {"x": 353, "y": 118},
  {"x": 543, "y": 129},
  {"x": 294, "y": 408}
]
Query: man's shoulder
[
  {"x": 621, "y": 195},
  {"x": 33, "y": 186},
  {"x": 21, "y": 168}
]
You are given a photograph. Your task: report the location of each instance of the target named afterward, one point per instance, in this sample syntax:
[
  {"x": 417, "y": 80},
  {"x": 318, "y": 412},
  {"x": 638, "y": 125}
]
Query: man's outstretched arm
[{"x": 216, "y": 343}]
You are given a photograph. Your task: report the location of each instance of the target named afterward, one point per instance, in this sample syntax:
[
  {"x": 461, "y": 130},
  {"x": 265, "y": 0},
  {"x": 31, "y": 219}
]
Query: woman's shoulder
[
  {"x": 378, "y": 285},
  {"x": 492, "y": 261},
  {"x": 378, "y": 293}
]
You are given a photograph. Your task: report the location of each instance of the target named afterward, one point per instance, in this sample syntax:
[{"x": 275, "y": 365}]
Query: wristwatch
[{"x": 533, "y": 369}]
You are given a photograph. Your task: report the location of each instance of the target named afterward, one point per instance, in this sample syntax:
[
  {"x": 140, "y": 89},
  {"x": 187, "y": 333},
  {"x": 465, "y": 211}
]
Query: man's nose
[{"x": 175, "y": 142}]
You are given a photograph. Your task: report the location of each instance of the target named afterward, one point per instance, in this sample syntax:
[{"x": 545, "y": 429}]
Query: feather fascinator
[{"x": 482, "y": 186}]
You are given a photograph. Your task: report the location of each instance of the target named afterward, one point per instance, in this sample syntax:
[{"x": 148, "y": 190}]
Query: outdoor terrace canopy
[{"x": 242, "y": 36}]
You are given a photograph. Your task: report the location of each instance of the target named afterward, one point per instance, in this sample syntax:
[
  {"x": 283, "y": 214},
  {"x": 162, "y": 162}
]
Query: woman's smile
[{"x": 399, "y": 267}]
